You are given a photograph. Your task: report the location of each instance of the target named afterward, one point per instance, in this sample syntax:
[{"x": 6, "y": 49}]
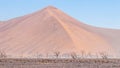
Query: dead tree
[
  {"x": 57, "y": 54},
  {"x": 89, "y": 55},
  {"x": 83, "y": 54},
  {"x": 73, "y": 55},
  {"x": 96, "y": 55},
  {"x": 104, "y": 55},
  {"x": 3, "y": 54},
  {"x": 38, "y": 56}
]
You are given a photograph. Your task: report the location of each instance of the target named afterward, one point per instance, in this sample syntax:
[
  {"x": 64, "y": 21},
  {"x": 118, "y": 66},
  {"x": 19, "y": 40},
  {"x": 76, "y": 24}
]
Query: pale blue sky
[{"x": 102, "y": 13}]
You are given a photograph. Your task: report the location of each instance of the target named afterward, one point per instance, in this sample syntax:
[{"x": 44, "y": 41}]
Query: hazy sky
[{"x": 102, "y": 13}]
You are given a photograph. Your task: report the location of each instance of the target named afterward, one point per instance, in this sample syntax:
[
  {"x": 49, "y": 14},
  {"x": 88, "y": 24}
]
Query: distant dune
[{"x": 50, "y": 30}]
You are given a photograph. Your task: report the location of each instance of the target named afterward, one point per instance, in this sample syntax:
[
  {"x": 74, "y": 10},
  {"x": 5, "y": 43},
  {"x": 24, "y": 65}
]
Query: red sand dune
[{"x": 51, "y": 30}]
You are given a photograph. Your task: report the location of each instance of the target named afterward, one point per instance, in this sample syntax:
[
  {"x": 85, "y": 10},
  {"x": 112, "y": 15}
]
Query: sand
[{"x": 50, "y": 30}]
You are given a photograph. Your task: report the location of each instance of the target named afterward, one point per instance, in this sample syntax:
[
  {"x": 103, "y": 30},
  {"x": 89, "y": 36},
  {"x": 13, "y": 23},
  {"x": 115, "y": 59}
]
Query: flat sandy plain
[{"x": 59, "y": 63}]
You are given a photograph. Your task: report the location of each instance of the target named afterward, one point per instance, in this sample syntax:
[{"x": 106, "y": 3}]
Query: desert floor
[{"x": 59, "y": 63}]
